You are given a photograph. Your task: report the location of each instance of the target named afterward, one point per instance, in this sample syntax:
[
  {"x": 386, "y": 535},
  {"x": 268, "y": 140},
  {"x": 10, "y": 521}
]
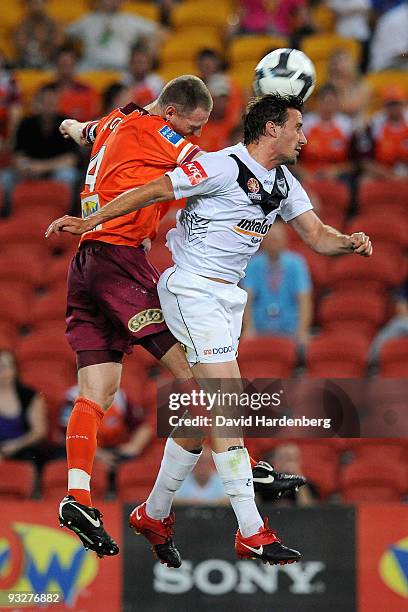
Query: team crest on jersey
[
  {"x": 146, "y": 317},
  {"x": 170, "y": 135},
  {"x": 253, "y": 189},
  {"x": 253, "y": 185},
  {"x": 195, "y": 172}
]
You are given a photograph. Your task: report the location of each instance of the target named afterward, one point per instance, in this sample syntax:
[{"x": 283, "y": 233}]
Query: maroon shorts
[{"x": 112, "y": 300}]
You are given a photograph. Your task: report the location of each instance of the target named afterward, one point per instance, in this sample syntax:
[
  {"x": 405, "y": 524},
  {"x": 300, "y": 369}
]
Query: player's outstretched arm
[
  {"x": 326, "y": 240},
  {"x": 159, "y": 190}
]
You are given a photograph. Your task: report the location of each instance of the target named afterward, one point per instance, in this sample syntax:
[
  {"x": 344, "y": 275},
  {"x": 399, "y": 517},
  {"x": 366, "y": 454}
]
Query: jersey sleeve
[
  {"x": 297, "y": 201},
  {"x": 207, "y": 175},
  {"x": 168, "y": 147}
]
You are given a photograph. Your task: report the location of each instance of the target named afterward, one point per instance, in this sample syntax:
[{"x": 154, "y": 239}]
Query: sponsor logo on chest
[{"x": 253, "y": 227}]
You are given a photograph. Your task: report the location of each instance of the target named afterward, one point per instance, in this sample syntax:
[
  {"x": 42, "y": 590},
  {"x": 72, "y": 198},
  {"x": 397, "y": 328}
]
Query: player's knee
[{"x": 103, "y": 395}]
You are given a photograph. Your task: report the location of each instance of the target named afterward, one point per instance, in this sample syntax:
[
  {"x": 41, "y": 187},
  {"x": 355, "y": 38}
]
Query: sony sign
[{"x": 218, "y": 577}]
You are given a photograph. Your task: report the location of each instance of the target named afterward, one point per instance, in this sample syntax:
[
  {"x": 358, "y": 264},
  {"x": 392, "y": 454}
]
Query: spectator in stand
[
  {"x": 76, "y": 99},
  {"x": 123, "y": 434},
  {"x": 114, "y": 96},
  {"x": 203, "y": 486},
  {"x": 144, "y": 85},
  {"x": 353, "y": 21},
  {"x": 40, "y": 151},
  {"x": 108, "y": 35},
  {"x": 353, "y": 93},
  {"x": 10, "y": 109},
  {"x": 397, "y": 327},
  {"x": 389, "y": 44},
  {"x": 209, "y": 64},
  {"x": 381, "y": 147},
  {"x": 289, "y": 18},
  {"x": 216, "y": 133},
  {"x": 287, "y": 457},
  {"x": 23, "y": 423},
  {"x": 279, "y": 290},
  {"x": 329, "y": 132},
  {"x": 37, "y": 37}
]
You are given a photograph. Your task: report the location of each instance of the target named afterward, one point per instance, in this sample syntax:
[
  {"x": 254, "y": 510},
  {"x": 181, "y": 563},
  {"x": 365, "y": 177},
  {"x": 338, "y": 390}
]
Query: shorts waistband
[{"x": 107, "y": 245}]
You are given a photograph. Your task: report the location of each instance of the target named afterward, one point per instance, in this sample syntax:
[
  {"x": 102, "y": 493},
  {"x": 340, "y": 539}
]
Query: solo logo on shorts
[
  {"x": 219, "y": 350},
  {"x": 145, "y": 317}
]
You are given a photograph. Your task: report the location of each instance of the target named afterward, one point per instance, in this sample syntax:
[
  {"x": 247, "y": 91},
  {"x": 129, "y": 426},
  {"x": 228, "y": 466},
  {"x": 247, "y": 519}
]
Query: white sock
[
  {"x": 234, "y": 469},
  {"x": 176, "y": 465},
  {"x": 78, "y": 479}
]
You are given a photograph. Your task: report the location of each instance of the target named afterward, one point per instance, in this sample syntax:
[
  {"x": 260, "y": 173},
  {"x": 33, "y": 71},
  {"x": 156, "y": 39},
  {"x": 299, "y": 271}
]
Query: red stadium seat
[
  {"x": 14, "y": 308},
  {"x": 320, "y": 463},
  {"x": 49, "y": 307},
  {"x": 16, "y": 479},
  {"x": 389, "y": 195},
  {"x": 382, "y": 228},
  {"x": 394, "y": 358},
  {"x": 383, "y": 270},
  {"x": 268, "y": 348},
  {"x": 54, "y": 480},
  {"x": 266, "y": 357},
  {"x": 8, "y": 335},
  {"x": 135, "y": 478},
  {"x": 381, "y": 449},
  {"x": 337, "y": 356},
  {"x": 365, "y": 480},
  {"x": 16, "y": 264},
  {"x": 46, "y": 352},
  {"x": 57, "y": 271},
  {"x": 260, "y": 368},
  {"x": 52, "y": 196},
  {"x": 368, "y": 309},
  {"x": 333, "y": 194}
]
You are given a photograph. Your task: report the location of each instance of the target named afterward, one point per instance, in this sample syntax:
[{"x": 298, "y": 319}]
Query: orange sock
[{"x": 82, "y": 429}]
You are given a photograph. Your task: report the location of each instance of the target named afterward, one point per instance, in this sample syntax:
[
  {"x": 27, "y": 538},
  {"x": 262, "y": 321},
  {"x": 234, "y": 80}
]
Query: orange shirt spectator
[
  {"x": 328, "y": 133},
  {"x": 390, "y": 129},
  {"x": 382, "y": 146}
]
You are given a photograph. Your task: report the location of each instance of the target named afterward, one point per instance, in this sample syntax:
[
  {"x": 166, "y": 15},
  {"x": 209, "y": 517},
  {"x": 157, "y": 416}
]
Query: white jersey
[{"x": 232, "y": 203}]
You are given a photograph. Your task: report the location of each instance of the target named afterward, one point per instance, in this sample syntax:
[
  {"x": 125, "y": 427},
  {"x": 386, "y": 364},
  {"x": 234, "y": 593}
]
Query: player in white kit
[{"x": 234, "y": 196}]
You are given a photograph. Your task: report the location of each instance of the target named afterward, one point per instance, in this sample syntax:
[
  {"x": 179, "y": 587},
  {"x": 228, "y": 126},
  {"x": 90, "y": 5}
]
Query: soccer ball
[{"x": 287, "y": 72}]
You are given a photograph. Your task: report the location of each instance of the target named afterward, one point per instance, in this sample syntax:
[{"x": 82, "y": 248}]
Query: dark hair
[
  {"x": 186, "y": 93},
  {"x": 270, "y": 107}
]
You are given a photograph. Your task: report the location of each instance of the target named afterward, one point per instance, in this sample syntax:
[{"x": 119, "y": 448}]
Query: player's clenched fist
[
  {"x": 361, "y": 244},
  {"x": 72, "y": 225}
]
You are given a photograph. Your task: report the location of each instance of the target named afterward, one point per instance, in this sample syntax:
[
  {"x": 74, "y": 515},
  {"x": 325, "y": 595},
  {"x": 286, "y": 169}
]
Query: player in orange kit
[{"x": 112, "y": 300}]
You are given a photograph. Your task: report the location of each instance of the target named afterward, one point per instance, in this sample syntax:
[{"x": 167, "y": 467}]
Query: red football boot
[
  {"x": 266, "y": 546},
  {"x": 158, "y": 532}
]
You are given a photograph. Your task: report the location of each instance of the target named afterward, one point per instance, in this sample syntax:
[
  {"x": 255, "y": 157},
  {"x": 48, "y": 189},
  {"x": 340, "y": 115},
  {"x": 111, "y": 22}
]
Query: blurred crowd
[{"x": 82, "y": 60}]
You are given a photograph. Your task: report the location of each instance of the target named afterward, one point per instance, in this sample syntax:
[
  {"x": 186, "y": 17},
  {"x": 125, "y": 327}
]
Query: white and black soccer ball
[{"x": 287, "y": 72}]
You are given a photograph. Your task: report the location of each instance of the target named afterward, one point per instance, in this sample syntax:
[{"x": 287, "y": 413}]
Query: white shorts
[{"x": 204, "y": 315}]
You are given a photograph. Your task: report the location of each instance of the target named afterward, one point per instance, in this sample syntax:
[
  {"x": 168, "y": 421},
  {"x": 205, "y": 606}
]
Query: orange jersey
[
  {"x": 130, "y": 149},
  {"x": 328, "y": 142}
]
